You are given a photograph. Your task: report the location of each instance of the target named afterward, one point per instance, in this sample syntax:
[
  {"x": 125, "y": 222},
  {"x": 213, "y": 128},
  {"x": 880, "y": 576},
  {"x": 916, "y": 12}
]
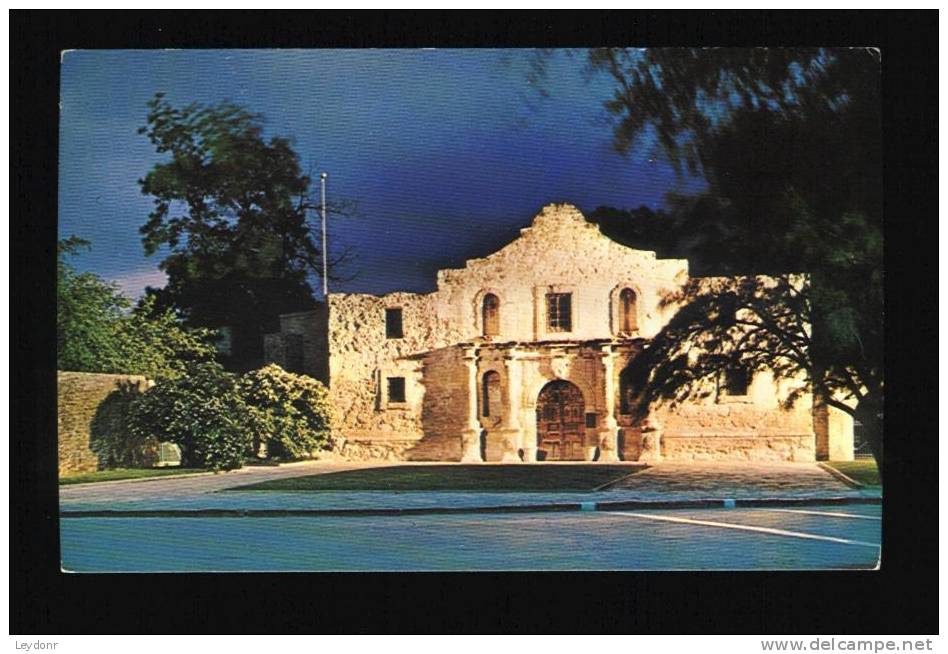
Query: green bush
[
  {"x": 293, "y": 411},
  {"x": 202, "y": 411}
]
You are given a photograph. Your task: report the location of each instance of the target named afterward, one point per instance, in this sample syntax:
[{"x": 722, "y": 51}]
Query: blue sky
[{"x": 447, "y": 152}]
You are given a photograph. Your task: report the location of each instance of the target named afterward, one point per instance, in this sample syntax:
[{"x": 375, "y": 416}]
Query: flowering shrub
[{"x": 293, "y": 412}]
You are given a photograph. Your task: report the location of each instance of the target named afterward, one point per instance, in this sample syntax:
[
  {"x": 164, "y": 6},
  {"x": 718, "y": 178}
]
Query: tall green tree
[
  {"x": 86, "y": 310},
  {"x": 789, "y": 142},
  {"x": 230, "y": 210},
  {"x": 98, "y": 330}
]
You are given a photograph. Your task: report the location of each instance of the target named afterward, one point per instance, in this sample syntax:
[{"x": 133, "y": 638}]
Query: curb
[
  {"x": 137, "y": 480},
  {"x": 190, "y": 475},
  {"x": 524, "y": 508},
  {"x": 846, "y": 479}
]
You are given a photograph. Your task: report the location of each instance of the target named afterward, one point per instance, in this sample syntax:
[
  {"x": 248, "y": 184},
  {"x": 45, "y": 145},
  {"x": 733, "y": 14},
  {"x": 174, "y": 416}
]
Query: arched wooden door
[{"x": 560, "y": 422}]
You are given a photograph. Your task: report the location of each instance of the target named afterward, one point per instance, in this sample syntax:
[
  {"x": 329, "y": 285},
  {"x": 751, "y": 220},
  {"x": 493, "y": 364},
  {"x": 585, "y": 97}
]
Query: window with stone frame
[
  {"x": 559, "y": 312},
  {"x": 393, "y": 323},
  {"x": 736, "y": 381},
  {"x": 490, "y": 315},
  {"x": 396, "y": 389}
]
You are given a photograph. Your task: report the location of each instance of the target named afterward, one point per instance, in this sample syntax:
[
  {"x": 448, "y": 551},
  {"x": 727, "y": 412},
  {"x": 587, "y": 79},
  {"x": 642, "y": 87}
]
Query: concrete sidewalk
[
  {"x": 185, "y": 486},
  {"x": 661, "y": 485}
]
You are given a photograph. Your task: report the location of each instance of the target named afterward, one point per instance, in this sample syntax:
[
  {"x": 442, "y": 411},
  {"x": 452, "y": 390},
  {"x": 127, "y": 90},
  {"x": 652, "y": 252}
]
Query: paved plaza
[
  {"x": 734, "y": 480},
  {"x": 814, "y": 521},
  {"x": 665, "y": 482}
]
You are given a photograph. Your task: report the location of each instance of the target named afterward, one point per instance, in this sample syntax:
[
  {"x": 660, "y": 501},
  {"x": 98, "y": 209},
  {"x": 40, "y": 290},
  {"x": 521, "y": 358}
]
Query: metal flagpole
[{"x": 322, "y": 178}]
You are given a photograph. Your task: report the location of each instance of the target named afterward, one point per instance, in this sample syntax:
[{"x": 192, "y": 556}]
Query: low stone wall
[
  {"x": 673, "y": 448},
  {"x": 90, "y": 409},
  {"x": 737, "y": 448},
  {"x": 369, "y": 449}
]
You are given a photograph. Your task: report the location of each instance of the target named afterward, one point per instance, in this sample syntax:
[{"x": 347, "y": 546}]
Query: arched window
[
  {"x": 628, "y": 320},
  {"x": 490, "y": 314},
  {"x": 490, "y": 402}
]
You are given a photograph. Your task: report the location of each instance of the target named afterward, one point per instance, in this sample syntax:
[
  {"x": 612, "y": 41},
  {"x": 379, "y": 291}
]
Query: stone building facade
[{"x": 520, "y": 355}]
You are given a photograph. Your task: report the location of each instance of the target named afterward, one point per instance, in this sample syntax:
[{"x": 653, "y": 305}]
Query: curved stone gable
[
  {"x": 560, "y": 233},
  {"x": 559, "y": 250}
]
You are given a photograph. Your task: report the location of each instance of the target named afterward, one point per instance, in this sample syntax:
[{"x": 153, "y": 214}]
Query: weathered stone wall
[
  {"x": 758, "y": 412},
  {"x": 378, "y": 449},
  {"x": 312, "y": 326},
  {"x": 445, "y": 404},
  {"x": 737, "y": 448},
  {"x": 751, "y": 427},
  {"x": 302, "y": 344},
  {"x": 834, "y": 433},
  {"x": 83, "y": 411},
  {"x": 362, "y": 359}
]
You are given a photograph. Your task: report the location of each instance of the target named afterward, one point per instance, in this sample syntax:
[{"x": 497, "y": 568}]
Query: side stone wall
[
  {"x": 302, "y": 344},
  {"x": 737, "y": 448},
  {"x": 444, "y": 407},
  {"x": 752, "y": 427},
  {"x": 89, "y": 407},
  {"x": 834, "y": 433},
  {"x": 362, "y": 359}
]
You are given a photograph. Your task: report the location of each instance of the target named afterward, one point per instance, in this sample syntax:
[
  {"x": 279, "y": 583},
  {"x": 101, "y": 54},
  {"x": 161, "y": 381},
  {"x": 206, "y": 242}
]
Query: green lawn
[
  {"x": 864, "y": 471},
  {"x": 126, "y": 473},
  {"x": 466, "y": 478}
]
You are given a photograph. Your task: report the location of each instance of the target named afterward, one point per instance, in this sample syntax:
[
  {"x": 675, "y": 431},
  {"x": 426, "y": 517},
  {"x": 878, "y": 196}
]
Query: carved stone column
[
  {"x": 512, "y": 432},
  {"x": 471, "y": 436},
  {"x": 528, "y": 430},
  {"x": 608, "y": 434}
]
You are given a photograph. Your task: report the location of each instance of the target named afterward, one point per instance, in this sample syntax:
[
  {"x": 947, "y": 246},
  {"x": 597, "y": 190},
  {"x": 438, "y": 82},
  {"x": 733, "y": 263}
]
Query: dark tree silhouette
[
  {"x": 789, "y": 142},
  {"x": 231, "y": 210}
]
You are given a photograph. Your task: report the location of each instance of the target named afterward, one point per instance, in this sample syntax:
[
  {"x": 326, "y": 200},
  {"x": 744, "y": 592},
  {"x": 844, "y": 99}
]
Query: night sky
[{"x": 447, "y": 153}]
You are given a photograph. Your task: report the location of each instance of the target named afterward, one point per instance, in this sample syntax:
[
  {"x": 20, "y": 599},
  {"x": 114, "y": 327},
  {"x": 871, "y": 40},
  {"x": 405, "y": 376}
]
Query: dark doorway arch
[
  {"x": 492, "y": 407},
  {"x": 627, "y": 391},
  {"x": 560, "y": 422}
]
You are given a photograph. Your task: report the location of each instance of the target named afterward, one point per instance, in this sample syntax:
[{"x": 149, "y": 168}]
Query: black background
[{"x": 900, "y": 598}]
